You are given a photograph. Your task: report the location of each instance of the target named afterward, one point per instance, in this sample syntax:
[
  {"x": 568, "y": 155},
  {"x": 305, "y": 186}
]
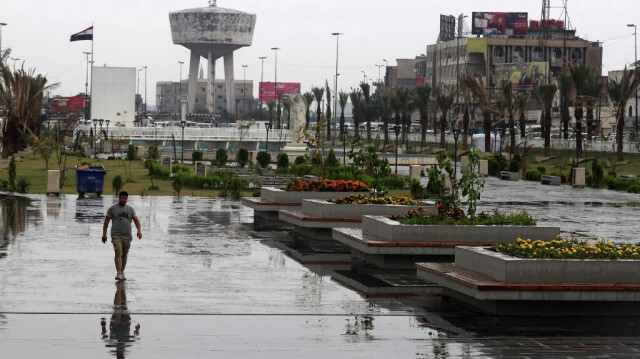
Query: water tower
[{"x": 211, "y": 32}]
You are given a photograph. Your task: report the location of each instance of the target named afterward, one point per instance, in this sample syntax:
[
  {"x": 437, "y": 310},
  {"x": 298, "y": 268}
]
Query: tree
[
  {"x": 271, "y": 105},
  {"x": 386, "y": 94},
  {"x": 21, "y": 92},
  {"x": 619, "y": 92},
  {"x": 579, "y": 74},
  {"x": 309, "y": 97},
  {"x": 263, "y": 159},
  {"x": 356, "y": 101},
  {"x": 366, "y": 95},
  {"x": 592, "y": 93},
  {"x": 466, "y": 119},
  {"x": 421, "y": 98},
  {"x": 476, "y": 86},
  {"x": 404, "y": 99},
  {"x": 243, "y": 157},
  {"x": 545, "y": 95},
  {"x": 343, "y": 97},
  {"x": 45, "y": 145},
  {"x": 444, "y": 99},
  {"x": 565, "y": 91},
  {"x": 318, "y": 93},
  {"x": 221, "y": 157},
  {"x": 506, "y": 94},
  {"x": 116, "y": 184}
]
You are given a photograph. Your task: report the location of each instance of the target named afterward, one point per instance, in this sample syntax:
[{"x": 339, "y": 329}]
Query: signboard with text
[
  {"x": 499, "y": 23},
  {"x": 268, "y": 93}
]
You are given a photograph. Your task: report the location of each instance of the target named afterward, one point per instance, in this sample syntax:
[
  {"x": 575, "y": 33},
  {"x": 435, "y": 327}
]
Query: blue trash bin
[{"x": 90, "y": 179}]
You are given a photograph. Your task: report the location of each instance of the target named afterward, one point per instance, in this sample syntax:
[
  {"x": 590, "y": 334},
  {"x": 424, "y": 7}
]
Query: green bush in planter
[
  {"x": 196, "y": 156},
  {"x": 263, "y": 159},
  {"x": 243, "y": 157},
  {"x": 283, "y": 162},
  {"x": 221, "y": 157},
  {"x": 534, "y": 175}
]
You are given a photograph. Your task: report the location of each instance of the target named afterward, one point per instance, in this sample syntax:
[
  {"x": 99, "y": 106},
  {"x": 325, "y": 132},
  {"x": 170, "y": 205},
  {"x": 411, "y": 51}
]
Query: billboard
[
  {"x": 447, "y": 28},
  {"x": 267, "y": 91},
  {"x": 499, "y": 23},
  {"x": 113, "y": 94},
  {"x": 525, "y": 76}
]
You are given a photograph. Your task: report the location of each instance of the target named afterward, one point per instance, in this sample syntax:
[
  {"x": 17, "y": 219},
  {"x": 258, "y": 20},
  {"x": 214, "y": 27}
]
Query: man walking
[{"x": 122, "y": 215}]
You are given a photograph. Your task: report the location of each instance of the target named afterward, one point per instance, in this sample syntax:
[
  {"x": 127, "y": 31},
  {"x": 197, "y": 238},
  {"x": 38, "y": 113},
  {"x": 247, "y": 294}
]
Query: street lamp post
[
  {"x": 260, "y": 90},
  {"x": 1, "y": 25},
  {"x": 275, "y": 85},
  {"x": 396, "y": 128},
  {"x": 183, "y": 123},
  {"x": 386, "y": 66},
  {"x": 145, "y": 90},
  {"x": 86, "y": 87},
  {"x": 138, "y": 91},
  {"x": 335, "y": 84},
  {"x": 267, "y": 126},
  {"x": 95, "y": 133},
  {"x": 364, "y": 77},
  {"x": 379, "y": 66},
  {"x": 456, "y": 133},
  {"x": 635, "y": 39},
  {"x": 14, "y": 62},
  {"x": 244, "y": 90}
]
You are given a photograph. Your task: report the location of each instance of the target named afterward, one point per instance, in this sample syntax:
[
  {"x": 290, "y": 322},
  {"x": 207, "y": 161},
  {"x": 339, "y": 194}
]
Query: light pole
[
  {"x": 275, "y": 85},
  {"x": 379, "y": 66},
  {"x": 386, "y": 66},
  {"x": 1, "y": 25},
  {"x": 456, "y": 133},
  {"x": 364, "y": 77},
  {"x": 267, "y": 126},
  {"x": 635, "y": 39},
  {"x": 145, "y": 90},
  {"x": 260, "y": 90},
  {"x": 335, "y": 84},
  {"x": 244, "y": 91},
  {"x": 14, "y": 62},
  {"x": 180, "y": 90},
  {"x": 86, "y": 85},
  {"x": 183, "y": 123},
  {"x": 396, "y": 129},
  {"x": 95, "y": 133}
]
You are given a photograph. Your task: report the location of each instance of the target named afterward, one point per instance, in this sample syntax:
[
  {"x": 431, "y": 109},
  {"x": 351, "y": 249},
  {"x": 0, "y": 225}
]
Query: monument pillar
[
  {"x": 230, "y": 83},
  {"x": 192, "y": 87},
  {"x": 211, "y": 85}
]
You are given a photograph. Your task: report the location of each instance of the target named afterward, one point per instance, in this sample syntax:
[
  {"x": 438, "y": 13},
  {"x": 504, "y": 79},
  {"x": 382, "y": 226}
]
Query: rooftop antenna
[{"x": 212, "y": 3}]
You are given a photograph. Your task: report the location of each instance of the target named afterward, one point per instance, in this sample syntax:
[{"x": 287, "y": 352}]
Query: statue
[{"x": 298, "y": 120}]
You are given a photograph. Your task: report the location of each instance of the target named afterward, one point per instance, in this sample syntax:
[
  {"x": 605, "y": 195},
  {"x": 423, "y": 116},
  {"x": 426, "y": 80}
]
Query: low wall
[
  {"x": 506, "y": 268},
  {"x": 324, "y": 209},
  {"x": 389, "y": 230}
]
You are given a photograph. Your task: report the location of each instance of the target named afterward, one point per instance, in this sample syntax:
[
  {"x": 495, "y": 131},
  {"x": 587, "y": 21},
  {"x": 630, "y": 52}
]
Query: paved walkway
[{"x": 203, "y": 283}]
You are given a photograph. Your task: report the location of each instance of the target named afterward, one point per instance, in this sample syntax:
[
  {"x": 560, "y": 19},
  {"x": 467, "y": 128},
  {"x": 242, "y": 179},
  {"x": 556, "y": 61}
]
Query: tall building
[{"x": 167, "y": 100}]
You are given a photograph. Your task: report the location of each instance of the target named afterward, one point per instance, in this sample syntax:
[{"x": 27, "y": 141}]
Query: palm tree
[
  {"x": 356, "y": 101},
  {"x": 565, "y": 85},
  {"x": 318, "y": 92},
  {"x": 592, "y": 93},
  {"x": 368, "y": 106},
  {"x": 476, "y": 86},
  {"x": 579, "y": 74},
  {"x": 386, "y": 94},
  {"x": 328, "y": 114},
  {"x": 403, "y": 97},
  {"x": 506, "y": 93},
  {"x": 619, "y": 92},
  {"x": 421, "y": 98},
  {"x": 308, "y": 97},
  {"x": 445, "y": 101},
  {"x": 466, "y": 95},
  {"x": 545, "y": 95},
  {"x": 343, "y": 97},
  {"x": 22, "y": 94},
  {"x": 521, "y": 100}
]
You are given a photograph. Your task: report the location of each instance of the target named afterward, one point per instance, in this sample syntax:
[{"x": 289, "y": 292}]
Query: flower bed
[
  {"x": 562, "y": 248},
  {"x": 326, "y": 186},
  {"x": 365, "y": 199},
  {"x": 456, "y": 216}
]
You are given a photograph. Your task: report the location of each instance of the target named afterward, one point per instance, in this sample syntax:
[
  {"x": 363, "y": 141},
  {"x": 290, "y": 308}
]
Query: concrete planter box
[
  {"x": 325, "y": 209},
  {"x": 393, "y": 231},
  {"x": 506, "y": 268},
  {"x": 509, "y": 176},
  {"x": 550, "y": 180},
  {"x": 277, "y": 195}
]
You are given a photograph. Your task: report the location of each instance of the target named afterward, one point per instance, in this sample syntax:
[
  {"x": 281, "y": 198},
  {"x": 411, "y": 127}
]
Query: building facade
[{"x": 168, "y": 101}]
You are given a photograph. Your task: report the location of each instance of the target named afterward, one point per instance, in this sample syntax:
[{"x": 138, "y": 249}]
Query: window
[
  {"x": 537, "y": 54},
  {"x": 576, "y": 55},
  {"x": 518, "y": 53},
  {"x": 498, "y": 51},
  {"x": 557, "y": 53}
]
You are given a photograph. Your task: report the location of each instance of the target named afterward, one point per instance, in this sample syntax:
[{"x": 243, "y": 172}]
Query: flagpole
[{"x": 90, "y": 97}]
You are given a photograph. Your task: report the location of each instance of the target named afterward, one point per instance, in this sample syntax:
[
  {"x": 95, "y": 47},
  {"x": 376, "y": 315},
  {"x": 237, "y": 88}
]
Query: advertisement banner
[
  {"x": 524, "y": 76},
  {"x": 499, "y": 23},
  {"x": 287, "y": 89}
]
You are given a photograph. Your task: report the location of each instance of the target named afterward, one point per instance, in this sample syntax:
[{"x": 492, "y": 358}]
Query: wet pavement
[{"x": 203, "y": 282}]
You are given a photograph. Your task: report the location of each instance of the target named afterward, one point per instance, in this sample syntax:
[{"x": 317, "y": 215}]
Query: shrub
[
  {"x": 117, "y": 183},
  {"x": 416, "y": 189},
  {"x": 597, "y": 173},
  {"x": 542, "y": 169},
  {"x": 497, "y": 163},
  {"x": 301, "y": 169},
  {"x": 263, "y": 159},
  {"x": 283, "y": 162},
  {"x": 366, "y": 199},
  {"x": 4, "y": 185},
  {"x": 196, "y": 156},
  {"x": 177, "y": 184},
  {"x": 235, "y": 187},
  {"x": 534, "y": 175},
  {"x": 332, "y": 160},
  {"x": 563, "y": 178},
  {"x": 300, "y": 160},
  {"x": 221, "y": 157},
  {"x": 316, "y": 159},
  {"x": 326, "y": 186},
  {"x": 23, "y": 184},
  {"x": 515, "y": 164},
  {"x": 243, "y": 157}
]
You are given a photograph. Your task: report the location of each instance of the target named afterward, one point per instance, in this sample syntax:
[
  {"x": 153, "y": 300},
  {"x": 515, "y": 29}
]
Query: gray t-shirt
[{"x": 121, "y": 216}]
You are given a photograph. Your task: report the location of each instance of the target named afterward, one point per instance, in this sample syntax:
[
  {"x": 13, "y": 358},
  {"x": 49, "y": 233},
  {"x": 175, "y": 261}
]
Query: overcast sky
[{"x": 136, "y": 33}]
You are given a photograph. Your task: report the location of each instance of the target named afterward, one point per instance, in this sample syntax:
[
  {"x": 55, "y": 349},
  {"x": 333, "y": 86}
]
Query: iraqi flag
[{"x": 86, "y": 34}]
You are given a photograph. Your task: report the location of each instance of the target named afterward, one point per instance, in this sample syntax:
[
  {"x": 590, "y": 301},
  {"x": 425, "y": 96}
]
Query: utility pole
[{"x": 260, "y": 90}]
